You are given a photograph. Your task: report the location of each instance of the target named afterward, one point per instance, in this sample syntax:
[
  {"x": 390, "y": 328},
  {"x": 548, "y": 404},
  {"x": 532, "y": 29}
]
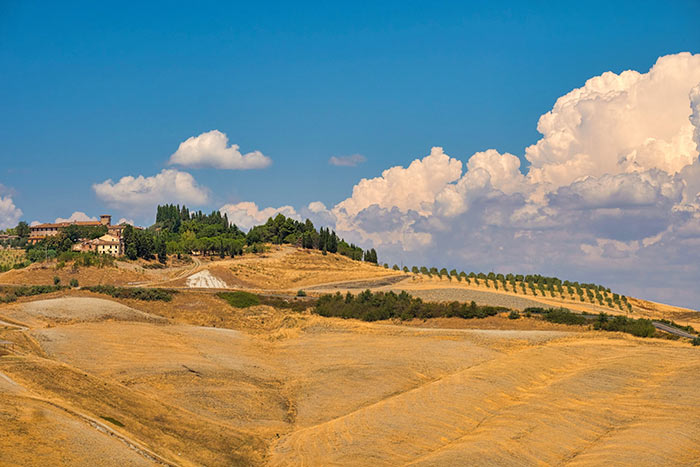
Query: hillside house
[
  {"x": 39, "y": 232},
  {"x": 106, "y": 244}
]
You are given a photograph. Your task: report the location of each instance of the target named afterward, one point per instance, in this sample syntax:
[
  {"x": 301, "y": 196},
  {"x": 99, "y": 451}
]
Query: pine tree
[
  {"x": 333, "y": 243},
  {"x": 162, "y": 251}
]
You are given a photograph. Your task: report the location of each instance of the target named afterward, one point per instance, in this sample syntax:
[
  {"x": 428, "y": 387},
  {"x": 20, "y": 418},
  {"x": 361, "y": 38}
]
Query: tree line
[
  {"x": 368, "y": 306},
  {"x": 179, "y": 231},
  {"x": 535, "y": 284}
]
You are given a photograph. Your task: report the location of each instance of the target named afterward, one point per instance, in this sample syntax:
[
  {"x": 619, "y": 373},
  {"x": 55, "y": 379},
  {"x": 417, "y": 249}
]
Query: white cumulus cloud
[
  {"x": 246, "y": 214},
  {"x": 620, "y": 123},
  {"x": 406, "y": 188},
  {"x": 347, "y": 161},
  {"x": 141, "y": 194},
  {"x": 76, "y": 216},
  {"x": 612, "y": 191},
  {"x": 9, "y": 213},
  {"x": 211, "y": 149}
]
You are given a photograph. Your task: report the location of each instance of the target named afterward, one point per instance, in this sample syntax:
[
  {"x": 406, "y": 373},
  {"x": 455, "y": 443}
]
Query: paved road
[{"x": 672, "y": 330}]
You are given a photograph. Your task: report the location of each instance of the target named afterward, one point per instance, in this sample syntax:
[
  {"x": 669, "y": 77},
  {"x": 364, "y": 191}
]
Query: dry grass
[
  {"x": 197, "y": 382},
  {"x": 288, "y": 268},
  {"x": 9, "y": 258},
  {"x": 294, "y": 388},
  {"x": 43, "y": 273}
]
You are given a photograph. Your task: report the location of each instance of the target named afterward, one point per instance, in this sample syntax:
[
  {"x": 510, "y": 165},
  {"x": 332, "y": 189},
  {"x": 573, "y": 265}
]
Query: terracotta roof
[{"x": 64, "y": 224}]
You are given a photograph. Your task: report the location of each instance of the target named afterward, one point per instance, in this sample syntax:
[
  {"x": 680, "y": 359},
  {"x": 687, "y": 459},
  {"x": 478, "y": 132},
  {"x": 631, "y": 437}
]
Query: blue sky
[
  {"x": 448, "y": 96},
  {"x": 93, "y": 91}
]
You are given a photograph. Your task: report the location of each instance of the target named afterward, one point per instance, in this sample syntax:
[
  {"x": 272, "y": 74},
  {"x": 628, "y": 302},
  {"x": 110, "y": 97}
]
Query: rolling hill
[{"x": 90, "y": 379}]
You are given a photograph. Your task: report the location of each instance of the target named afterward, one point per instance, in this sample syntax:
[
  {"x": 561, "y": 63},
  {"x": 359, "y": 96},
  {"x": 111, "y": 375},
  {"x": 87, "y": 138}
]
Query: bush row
[
  {"x": 369, "y": 306},
  {"x": 12, "y": 293},
  {"x": 136, "y": 293},
  {"x": 637, "y": 327}
]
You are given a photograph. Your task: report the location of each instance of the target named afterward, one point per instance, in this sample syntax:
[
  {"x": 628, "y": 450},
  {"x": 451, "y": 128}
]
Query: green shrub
[
  {"x": 136, "y": 293},
  {"x": 11, "y": 293},
  {"x": 513, "y": 315},
  {"x": 74, "y": 282},
  {"x": 558, "y": 315},
  {"x": 637, "y": 327},
  {"x": 369, "y": 306},
  {"x": 246, "y": 299},
  {"x": 56, "y": 280},
  {"x": 240, "y": 299},
  {"x": 301, "y": 293},
  {"x": 696, "y": 341}
]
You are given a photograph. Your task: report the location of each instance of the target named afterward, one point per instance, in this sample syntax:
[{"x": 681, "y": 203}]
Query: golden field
[{"x": 91, "y": 380}]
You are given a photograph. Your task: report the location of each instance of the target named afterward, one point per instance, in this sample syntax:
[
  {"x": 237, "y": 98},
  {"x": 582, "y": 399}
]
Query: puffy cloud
[
  {"x": 618, "y": 123},
  {"x": 695, "y": 114},
  {"x": 620, "y": 191},
  {"x": 211, "y": 149},
  {"x": 317, "y": 207},
  {"x": 691, "y": 177},
  {"x": 319, "y": 214},
  {"x": 141, "y": 194},
  {"x": 612, "y": 192},
  {"x": 503, "y": 169},
  {"x": 124, "y": 220},
  {"x": 76, "y": 216},
  {"x": 347, "y": 161},
  {"x": 246, "y": 214},
  {"x": 405, "y": 188},
  {"x": 9, "y": 213}
]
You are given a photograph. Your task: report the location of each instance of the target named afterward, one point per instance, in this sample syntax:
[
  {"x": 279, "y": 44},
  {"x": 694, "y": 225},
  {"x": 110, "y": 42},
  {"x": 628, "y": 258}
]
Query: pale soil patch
[
  {"x": 73, "y": 310},
  {"x": 204, "y": 279}
]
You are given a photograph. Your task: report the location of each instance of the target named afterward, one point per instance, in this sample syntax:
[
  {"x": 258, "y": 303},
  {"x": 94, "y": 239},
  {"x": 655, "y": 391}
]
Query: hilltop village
[{"x": 111, "y": 243}]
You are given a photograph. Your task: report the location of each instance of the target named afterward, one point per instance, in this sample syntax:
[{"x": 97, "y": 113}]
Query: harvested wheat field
[
  {"x": 91, "y": 381},
  {"x": 287, "y": 268}
]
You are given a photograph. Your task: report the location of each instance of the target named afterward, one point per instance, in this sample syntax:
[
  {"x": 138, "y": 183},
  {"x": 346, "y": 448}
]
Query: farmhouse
[
  {"x": 111, "y": 243},
  {"x": 107, "y": 244},
  {"x": 39, "y": 232}
]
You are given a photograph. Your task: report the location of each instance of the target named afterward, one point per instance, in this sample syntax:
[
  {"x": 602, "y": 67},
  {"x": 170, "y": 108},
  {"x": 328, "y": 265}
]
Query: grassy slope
[{"x": 292, "y": 388}]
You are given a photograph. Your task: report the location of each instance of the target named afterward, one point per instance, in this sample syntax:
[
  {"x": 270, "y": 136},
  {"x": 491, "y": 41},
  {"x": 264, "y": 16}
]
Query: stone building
[{"x": 39, "y": 232}]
